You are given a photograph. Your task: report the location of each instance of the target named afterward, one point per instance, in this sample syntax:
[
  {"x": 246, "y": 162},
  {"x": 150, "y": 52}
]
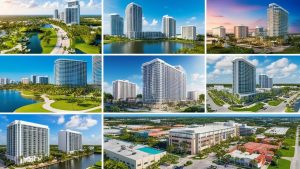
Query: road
[
  {"x": 62, "y": 41},
  {"x": 281, "y": 107},
  {"x": 213, "y": 106},
  {"x": 48, "y": 107},
  {"x": 295, "y": 164}
]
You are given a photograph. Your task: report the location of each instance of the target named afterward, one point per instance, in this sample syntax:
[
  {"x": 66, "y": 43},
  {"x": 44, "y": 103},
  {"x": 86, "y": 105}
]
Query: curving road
[
  {"x": 62, "y": 41},
  {"x": 296, "y": 159},
  {"x": 48, "y": 107}
]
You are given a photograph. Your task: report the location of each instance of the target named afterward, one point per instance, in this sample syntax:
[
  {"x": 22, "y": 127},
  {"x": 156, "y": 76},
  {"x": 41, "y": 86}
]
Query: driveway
[
  {"x": 295, "y": 164},
  {"x": 213, "y": 106},
  {"x": 62, "y": 41}
]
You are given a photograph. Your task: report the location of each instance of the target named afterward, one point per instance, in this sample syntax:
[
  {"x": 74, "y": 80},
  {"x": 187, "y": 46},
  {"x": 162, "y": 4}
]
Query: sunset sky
[{"x": 250, "y": 13}]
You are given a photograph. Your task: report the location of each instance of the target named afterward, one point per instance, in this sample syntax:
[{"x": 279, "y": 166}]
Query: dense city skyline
[
  {"x": 89, "y": 126},
  {"x": 45, "y": 7},
  {"x": 152, "y": 19},
  {"x": 283, "y": 69},
  {"x": 250, "y": 13}
]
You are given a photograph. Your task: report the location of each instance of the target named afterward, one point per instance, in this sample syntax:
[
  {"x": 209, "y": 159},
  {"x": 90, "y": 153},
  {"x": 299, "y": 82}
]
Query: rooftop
[
  {"x": 277, "y": 130},
  {"x": 239, "y": 154}
]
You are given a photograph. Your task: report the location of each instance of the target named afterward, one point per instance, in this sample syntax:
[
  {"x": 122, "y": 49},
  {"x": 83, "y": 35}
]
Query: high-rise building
[
  {"x": 259, "y": 31},
  {"x": 134, "y": 21},
  {"x": 42, "y": 80},
  {"x": 200, "y": 137},
  {"x": 169, "y": 26},
  {"x": 68, "y": 72},
  {"x": 56, "y": 16},
  {"x": 27, "y": 142},
  {"x": 4, "y": 81},
  {"x": 69, "y": 141},
  {"x": 188, "y": 32},
  {"x": 219, "y": 32},
  {"x": 116, "y": 25},
  {"x": 33, "y": 79},
  {"x": 72, "y": 12},
  {"x": 25, "y": 80},
  {"x": 241, "y": 32},
  {"x": 62, "y": 16},
  {"x": 97, "y": 70},
  {"x": 244, "y": 77},
  {"x": 193, "y": 95},
  {"x": 265, "y": 81},
  {"x": 277, "y": 20},
  {"x": 123, "y": 89},
  {"x": 163, "y": 82}
]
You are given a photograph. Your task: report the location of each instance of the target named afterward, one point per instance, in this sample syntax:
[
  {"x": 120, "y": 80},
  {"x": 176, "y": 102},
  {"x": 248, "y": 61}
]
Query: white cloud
[
  {"x": 281, "y": 68},
  {"x": 61, "y": 120},
  {"x": 154, "y": 22},
  {"x": 145, "y": 22},
  {"x": 213, "y": 59},
  {"x": 81, "y": 123},
  {"x": 82, "y": 4},
  {"x": 51, "y": 5}
]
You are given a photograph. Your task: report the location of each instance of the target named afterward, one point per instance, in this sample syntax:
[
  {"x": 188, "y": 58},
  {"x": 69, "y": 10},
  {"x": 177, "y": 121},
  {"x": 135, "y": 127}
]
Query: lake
[
  {"x": 78, "y": 163},
  {"x": 10, "y": 100},
  {"x": 34, "y": 43},
  {"x": 145, "y": 47}
]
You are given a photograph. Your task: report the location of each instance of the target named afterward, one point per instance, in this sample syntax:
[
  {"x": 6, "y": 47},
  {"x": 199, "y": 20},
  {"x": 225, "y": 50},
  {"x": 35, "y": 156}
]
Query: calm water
[
  {"x": 297, "y": 105},
  {"x": 10, "y": 100},
  {"x": 47, "y": 26},
  {"x": 35, "y": 43},
  {"x": 145, "y": 47},
  {"x": 80, "y": 163}
]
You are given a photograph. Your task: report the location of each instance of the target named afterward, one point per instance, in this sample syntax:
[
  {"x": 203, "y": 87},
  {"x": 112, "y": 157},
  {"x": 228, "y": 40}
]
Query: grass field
[
  {"x": 290, "y": 152},
  {"x": 48, "y": 47},
  {"x": 282, "y": 164},
  {"x": 32, "y": 108},
  {"x": 274, "y": 102},
  {"x": 254, "y": 108},
  {"x": 65, "y": 105},
  {"x": 96, "y": 111},
  {"x": 88, "y": 49}
]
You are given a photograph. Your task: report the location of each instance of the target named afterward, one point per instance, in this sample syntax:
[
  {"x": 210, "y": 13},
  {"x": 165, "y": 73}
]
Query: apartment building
[
  {"x": 123, "y": 90},
  {"x": 168, "y": 26},
  {"x": 27, "y": 142},
  {"x": 116, "y": 25},
  {"x": 134, "y": 21},
  {"x": 241, "y": 32},
  {"x": 69, "y": 141},
  {"x": 278, "y": 19},
  {"x": 188, "y": 32},
  {"x": 72, "y": 12},
  {"x": 219, "y": 32}
]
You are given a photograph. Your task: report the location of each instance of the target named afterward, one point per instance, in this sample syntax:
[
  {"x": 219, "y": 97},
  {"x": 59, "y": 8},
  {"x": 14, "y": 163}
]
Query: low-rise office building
[
  {"x": 135, "y": 156},
  {"x": 246, "y": 159},
  {"x": 277, "y": 130},
  {"x": 200, "y": 137}
]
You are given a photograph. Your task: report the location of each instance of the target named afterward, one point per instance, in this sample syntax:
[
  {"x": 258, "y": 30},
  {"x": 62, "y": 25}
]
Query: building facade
[
  {"x": 265, "y": 81},
  {"x": 25, "y": 80},
  {"x": 56, "y": 16},
  {"x": 27, "y": 142},
  {"x": 69, "y": 141},
  {"x": 116, "y": 25},
  {"x": 163, "y": 82},
  {"x": 72, "y": 12},
  {"x": 188, "y": 32},
  {"x": 4, "y": 81},
  {"x": 200, "y": 137},
  {"x": 241, "y": 32},
  {"x": 123, "y": 89},
  {"x": 193, "y": 95},
  {"x": 169, "y": 26},
  {"x": 278, "y": 19},
  {"x": 134, "y": 21},
  {"x": 219, "y": 32},
  {"x": 244, "y": 77},
  {"x": 69, "y": 72},
  {"x": 43, "y": 80},
  {"x": 97, "y": 71}
]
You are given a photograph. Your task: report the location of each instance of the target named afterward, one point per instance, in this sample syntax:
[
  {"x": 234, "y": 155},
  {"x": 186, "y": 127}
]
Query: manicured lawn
[
  {"x": 88, "y": 49},
  {"x": 274, "y": 102},
  {"x": 96, "y": 111},
  {"x": 254, "y": 108},
  {"x": 27, "y": 92},
  {"x": 282, "y": 164},
  {"x": 32, "y": 108},
  {"x": 288, "y": 153},
  {"x": 65, "y": 105},
  {"x": 291, "y": 50},
  {"x": 215, "y": 99},
  {"x": 48, "y": 47}
]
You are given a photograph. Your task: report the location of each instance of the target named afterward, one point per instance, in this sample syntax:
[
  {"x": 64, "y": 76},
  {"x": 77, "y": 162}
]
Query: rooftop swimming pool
[{"x": 150, "y": 150}]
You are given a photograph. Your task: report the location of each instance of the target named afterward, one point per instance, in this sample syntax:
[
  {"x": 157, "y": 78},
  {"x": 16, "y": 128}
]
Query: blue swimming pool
[{"x": 150, "y": 150}]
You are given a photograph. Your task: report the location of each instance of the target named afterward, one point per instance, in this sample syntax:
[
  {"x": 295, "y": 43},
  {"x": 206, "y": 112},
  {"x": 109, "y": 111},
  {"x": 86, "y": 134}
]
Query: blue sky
[
  {"x": 88, "y": 125},
  {"x": 17, "y": 67},
  {"x": 187, "y": 12},
  {"x": 129, "y": 68},
  {"x": 46, "y": 7},
  {"x": 283, "y": 69},
  {"x": 248, "y": 12}
]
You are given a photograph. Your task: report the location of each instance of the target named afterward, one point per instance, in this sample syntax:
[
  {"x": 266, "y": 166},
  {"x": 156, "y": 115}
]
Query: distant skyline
[
  {"x": 250, "y": 13},
  {"x": 88, "y": 125},
  {"x": 283, "y": 69},
  {"x": 17, "y": 67},
  {"x": 129, "y": 68},
  {"x": 46, "y": 7},
  {"x": 191, "y": 12}
]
